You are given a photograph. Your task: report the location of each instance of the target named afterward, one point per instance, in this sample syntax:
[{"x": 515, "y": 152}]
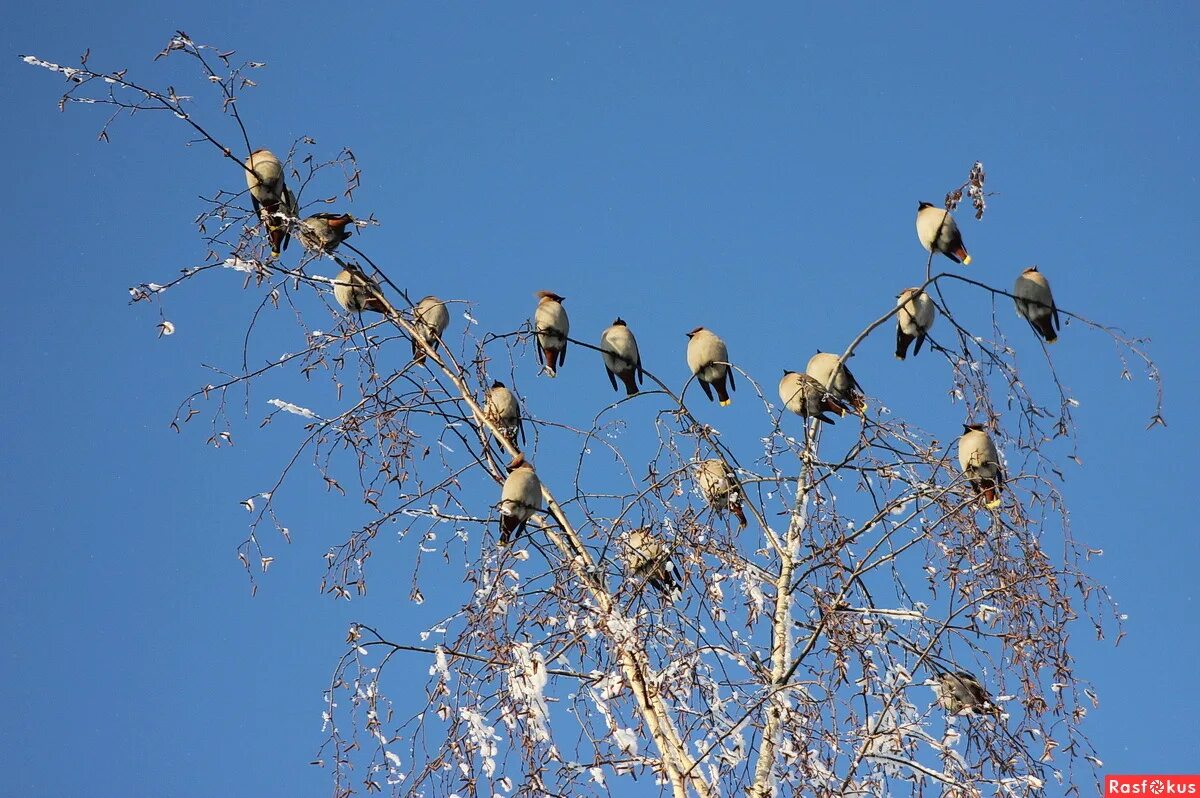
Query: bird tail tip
[
  {"x": 725, "y": 402},
  {"x": 966, "y": 260}
]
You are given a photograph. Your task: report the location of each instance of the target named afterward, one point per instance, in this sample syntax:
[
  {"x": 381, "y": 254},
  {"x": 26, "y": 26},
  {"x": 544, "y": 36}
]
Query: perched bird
[
  {"x": 980, "y": 462},
  {"x": 271, "y": 196},
  {"x": 961, "y": 692},
  {"x": 355, "y": 292},
  {"x": 1035, "y": 303},
  {"x": 502, "y": 407},
  {"x": 647, "y": 558},
  {"x": 322, "y": 232},
  {"x": 619, "y": 350},
  {"x": 552, "y": 325},
  {"x": 520, "y": 498},
  {"x": 720, "y": 488},
  {"x": 430, "y": 318},
  {"x": 913, "y": 320},
  {"x": 843, "y": 386},
  {"x": 804, "y": 396},
  {"x": 939, "y": 233},
  {"x": 707, "y": 357}
]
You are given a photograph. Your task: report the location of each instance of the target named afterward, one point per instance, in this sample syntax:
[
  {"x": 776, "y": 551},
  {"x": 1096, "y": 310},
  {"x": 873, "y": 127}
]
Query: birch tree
[{"x": 802, "y": 654}]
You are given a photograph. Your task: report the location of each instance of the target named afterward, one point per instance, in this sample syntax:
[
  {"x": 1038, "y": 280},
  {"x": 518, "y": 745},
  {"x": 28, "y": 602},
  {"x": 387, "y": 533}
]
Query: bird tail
[
  {"x": 722, "y": 391},
  {"x": 736, "y": 509},
  {"x": 990, "y": 492},
  {"x": 902, "y": 342},
  {"x": 374, "y": 304},
  {"x": 833, "y": 406},
  {"x": 508, "y": 525},
  {"x": 962, "y": 254},
  {"x": 551, "y": 356},
  {"x": 1045, "y": 328},
  {"x": 630, "y": 380}
]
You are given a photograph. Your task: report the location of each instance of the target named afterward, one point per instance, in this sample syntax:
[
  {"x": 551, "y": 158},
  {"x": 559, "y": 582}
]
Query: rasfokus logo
[{"x": 1151, "y": 785}]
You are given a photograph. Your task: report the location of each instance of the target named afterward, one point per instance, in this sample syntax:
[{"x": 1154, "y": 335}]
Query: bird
[
  {"x": 271, "y": 197},
  {"x": 708, "y": 358},
  {"x": 322, "y": 232},
  {"x": 356, "y": 292},
  {"x": 647, "y": 558},
  {"x": 720, "y": 488},
  {"x": 938, "y": 232},
  {"x": 551, "y": 324},
  {"x": 980, "y": 462},
  {"x": 501, "y": 406},
  {"x": 619, "y": 350},
  {"x": 1035, "y": 303},
  {"x": 520, "y": 498},
  {"x": 961, "y": 692},
  {"x": 430, "y": 319},
  {"x": 804, "y": 396},
  {"x": 913, "y": 320},
  {"x": 843, "y": 386}
]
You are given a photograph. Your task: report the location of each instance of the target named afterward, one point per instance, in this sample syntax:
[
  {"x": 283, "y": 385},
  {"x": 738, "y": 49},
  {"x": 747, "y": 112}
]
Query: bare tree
[{"x": 877, "y": 626}]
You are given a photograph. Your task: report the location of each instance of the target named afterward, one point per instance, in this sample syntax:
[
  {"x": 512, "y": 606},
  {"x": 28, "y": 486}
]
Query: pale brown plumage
[
  {"x": 938, "y": 232},
  {"x": 843, "y": 386},
  {"x": 720, "y": 489},
  {"x": 980, "y": 463},
  {"x": 520, "y": 498},
  {"x": 273, "y": 201},
  {"x": 804, "y": 396},
  {"x": 356, "y": 292},
  {"x": 914, "y": 319},
  {"x": 961, "y": 692},
  {"x": 647, "y": 558},
  {"x": 502, "y": 407},
  {"x": 551, "y": 324},
  {"x": 430, "y": 318},
  {"x": 322, "y": 232},
  {"x": 1035, "y": 303},
  {"x": 619, "y": 350},
  {"x": 707, "y": 357}
]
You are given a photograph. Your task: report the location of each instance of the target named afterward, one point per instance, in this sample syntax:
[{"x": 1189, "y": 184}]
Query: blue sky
[{"x": 755, "y": 172}]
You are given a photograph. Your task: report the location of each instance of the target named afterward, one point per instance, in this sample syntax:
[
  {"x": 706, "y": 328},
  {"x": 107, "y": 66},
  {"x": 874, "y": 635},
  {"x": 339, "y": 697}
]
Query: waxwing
[
  {"x": 646, "y": 558},
  {"x": 720, "y": 488},
  {"x": 501, "y": 406},
  {"x": 353, "y": 291},
  {"x": 938, "y": 232},
  {"x": 271, "y": 197},
  {"x": 322, "y": 232},
  {"x": 980, "y": 462},
  {"x": 430, "y": 318},
  {"x": 1035, "y": 303},
  {"x": 619, "y": 350},
  {"x": 520, "y": 498},
  {"x": 844, "y": 387},
  {"x": 552, "y": 325},
  {"x": 913, "y": 320},
  {"x": 707, "y": 357},
  {"x": 806, "y": 397},
  {"x": 961, "y": 692}
]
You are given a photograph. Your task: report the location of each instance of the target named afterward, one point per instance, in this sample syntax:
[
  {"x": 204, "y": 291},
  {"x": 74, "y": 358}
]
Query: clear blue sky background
[{"x": 756, "y": 172}]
